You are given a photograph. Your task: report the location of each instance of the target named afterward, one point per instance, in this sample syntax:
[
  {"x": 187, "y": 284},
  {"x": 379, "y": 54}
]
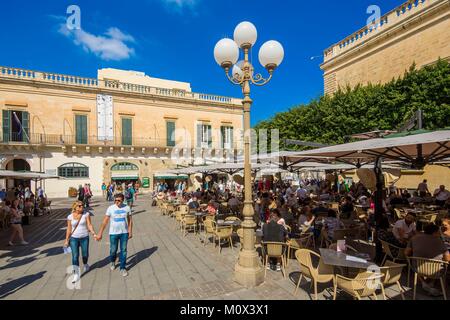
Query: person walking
[
  {"x": 77, "y": 236},
  {"x": 104, "y": 190},
  {"x": 120, "y": 231},
  {"x": 16, "y": 223}
]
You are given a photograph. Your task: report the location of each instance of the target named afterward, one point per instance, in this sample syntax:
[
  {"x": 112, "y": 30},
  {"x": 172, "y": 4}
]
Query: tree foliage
[{"x": 366, "y": 108}]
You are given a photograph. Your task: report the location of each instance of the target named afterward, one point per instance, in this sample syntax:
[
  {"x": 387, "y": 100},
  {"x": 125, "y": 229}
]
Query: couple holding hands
[{"x": 120, "y": 231}]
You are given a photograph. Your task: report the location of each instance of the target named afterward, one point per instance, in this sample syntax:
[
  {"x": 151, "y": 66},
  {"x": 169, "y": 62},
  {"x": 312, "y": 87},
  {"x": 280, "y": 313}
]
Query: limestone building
[
  {"x": 121, "y": 126},
  {"x": 417, "y": 31}
]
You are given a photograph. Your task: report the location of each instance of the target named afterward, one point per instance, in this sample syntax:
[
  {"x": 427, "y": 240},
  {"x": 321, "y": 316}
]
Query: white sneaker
[
  {"x": 10, "y": 244},
  {"x": 76, "y": 277},
  {"x": 112, "y": 267},
  {"x": 123, "y": 273},
  {"x": 278, "y": 267},
  {"x": 24, "y": 243},
  {"x": 85, "y": 268}
]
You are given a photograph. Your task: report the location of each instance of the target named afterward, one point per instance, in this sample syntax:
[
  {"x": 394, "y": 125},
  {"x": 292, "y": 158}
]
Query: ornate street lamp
[{"x": 248, "y": 270}]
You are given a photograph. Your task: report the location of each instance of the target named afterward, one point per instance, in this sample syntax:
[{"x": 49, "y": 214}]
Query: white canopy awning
[
  {"x": 414, "y": 149},
  {"x": 25, "y": 175}
]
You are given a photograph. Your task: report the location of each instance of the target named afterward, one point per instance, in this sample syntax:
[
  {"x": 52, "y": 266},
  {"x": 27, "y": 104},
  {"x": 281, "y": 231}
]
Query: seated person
[
  {"x": 306, "y": 220},
  {"x": 274, "y": 232},
  {"x": 428, "y": 245},
  {"x": 346, "y": 208},
  {"x": 234, "y": 205},
  {"x": 280, "y": 220},
  {"x": 445, "y": 230},
  {"x": 405, "y": 229},
  {"x": 332, "y": 223},
  {"x": 441, "y": 195},
  {"x": 211, "y": 209},
  {"x": 286, "y": 214},
  {"x": 415, "y": 198},
  {"x": 193, "y": 203},
  {"x": 384, "y": 234}
]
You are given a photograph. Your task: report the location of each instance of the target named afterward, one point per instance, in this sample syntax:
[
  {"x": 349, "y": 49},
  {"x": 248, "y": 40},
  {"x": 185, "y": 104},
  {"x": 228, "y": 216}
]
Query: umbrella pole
[{"x": 378, "y": 199}]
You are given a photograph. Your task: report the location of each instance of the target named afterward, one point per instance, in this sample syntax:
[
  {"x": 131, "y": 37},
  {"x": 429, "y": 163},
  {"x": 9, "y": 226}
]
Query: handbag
[{"x": 67, "y": 250}]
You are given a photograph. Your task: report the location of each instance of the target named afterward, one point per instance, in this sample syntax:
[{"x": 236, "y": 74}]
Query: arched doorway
[{"x": 18, "y": 165}]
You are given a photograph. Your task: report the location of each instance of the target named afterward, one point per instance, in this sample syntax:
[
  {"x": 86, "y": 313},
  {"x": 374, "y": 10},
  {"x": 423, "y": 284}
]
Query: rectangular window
[
  {"x": 16, "y": 126},
  {"x": 170, "y": 133},
  {"x": 226, "y": 134},
  {"x": 127, "y": 131},
  {"x": 81, "y": 129},
  {"x": 204, "y": 136}
]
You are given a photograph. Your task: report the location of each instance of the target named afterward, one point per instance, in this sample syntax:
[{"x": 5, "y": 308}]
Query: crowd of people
[{"x": 18, "y": 204}]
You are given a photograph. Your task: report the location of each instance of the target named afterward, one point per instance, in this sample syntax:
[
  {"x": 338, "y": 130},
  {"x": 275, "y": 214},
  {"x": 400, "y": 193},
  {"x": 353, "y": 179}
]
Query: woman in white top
[{"x": 78, "y": 227}]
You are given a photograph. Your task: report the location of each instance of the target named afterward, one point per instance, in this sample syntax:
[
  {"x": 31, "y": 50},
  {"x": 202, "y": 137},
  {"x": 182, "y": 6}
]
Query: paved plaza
[{"x": 162, "y": 264}]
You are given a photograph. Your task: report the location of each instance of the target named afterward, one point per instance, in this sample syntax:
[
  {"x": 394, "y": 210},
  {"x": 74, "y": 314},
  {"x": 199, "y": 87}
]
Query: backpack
[{"x": 127, "y": 194}]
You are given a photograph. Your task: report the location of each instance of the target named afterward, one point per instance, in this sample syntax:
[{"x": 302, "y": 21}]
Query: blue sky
[{"x": 174, "y": 39}]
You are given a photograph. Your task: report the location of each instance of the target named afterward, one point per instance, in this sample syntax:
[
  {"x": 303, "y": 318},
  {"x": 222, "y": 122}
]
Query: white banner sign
[{"x": 105, "y": 117}]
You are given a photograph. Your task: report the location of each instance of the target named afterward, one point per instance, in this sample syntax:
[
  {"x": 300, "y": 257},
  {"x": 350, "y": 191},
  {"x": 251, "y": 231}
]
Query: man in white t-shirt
[
  {"x": 405, "y": 229},
  {"x": 120, "y": 231}
]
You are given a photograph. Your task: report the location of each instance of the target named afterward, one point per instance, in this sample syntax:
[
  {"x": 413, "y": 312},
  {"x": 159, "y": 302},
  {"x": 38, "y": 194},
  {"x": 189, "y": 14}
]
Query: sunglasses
[
  {"x": 80, "y": 205},
  {"x": 118, "y": 200}
]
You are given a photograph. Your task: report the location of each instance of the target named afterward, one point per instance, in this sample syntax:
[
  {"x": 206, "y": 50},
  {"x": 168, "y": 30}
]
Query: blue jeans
[
  {"x": 114, "y": 240},
  {"x": 75, "y": 244}
]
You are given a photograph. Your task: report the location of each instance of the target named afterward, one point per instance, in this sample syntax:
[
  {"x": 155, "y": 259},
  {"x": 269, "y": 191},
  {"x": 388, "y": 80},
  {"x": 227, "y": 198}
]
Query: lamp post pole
[{"x": 248, "y": 270}]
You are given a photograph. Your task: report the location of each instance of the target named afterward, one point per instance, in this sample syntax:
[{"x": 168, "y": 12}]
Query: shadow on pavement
[
  {"x": 14, "y": 285},
  {"x": 140, "y": 256}
]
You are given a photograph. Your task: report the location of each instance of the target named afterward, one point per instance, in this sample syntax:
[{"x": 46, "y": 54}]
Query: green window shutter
[
  {"x": 199, "y": 135},
  {"x": 170, "y": 134},
  {"x": 127, "y": 131},
  {"x": 6, "y": 125},
  {"x": 231, "y": 138},
  {"x": 209, "y": 136},
  {"x": 222, "y": 137},
  {"x": 26, "y": 126},
  {"x": 81, "y": 129}
]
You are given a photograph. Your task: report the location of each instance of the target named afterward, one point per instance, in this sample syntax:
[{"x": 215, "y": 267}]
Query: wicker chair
[
  {"x": 363, "y": 285},
  {"x": 392, "y": 272},
  {"x": 321, "y": 274},
  {"x": 274, "y": 250},
  {"x": 188, "y": 222},
  {"x": 210, "y": 227},
  {"x": 430, "y": 269},
  {"x": 225, "y": 234},
  {"x": 387, "y": 249},
  {"x": 303, "y": 242}
]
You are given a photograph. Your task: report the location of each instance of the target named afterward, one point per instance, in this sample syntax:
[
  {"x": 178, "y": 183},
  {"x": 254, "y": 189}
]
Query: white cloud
[
  {"x": 180, "y": 4},
  {"x": 113, "y": 45}
]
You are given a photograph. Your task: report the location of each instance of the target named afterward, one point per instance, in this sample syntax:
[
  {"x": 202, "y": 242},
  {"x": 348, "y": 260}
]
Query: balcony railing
[
  {"x": 114, "y": 85},
  {"x": 95, "y": 141},
  {"x": 393, "y": 17}
]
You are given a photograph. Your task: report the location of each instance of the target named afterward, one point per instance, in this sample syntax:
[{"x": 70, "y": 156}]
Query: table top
[
  {"x": 340, "y": 259},
  {"x": 235, "y": 223}
]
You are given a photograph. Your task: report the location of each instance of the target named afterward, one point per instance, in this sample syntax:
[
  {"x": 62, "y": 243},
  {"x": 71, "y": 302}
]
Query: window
[
  {"x": 73, "y": 170},
  {"x": 170, "y": 133},
  {"x": 124, "y": 166},
  {"x": 16, "y": 126},
  {"x": 226, "y": 134},
  {"x": 127, "y": 131},
  {"x": 204, "y": 136},
  {"x": 80, "y": 129}
]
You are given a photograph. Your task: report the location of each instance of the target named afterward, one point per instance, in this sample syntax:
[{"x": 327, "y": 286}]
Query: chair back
[
  {"x": 366, "y": 283},
  {"x": 178, "y": 216},
  {"x": 189, "y": 220},
  {"x": 224, "y": 232},
  {"x": 387, "y": 249},
  {"x": 183, "y": 208},
  {"x": 429, "y": 268},
  {"x": 209, "y": 225},
  {"x": 232, "y": 218},
  {"x": 274, "y": 249},
  {"x": 304, "y": 258},
  {"x": 302, "y": 242},
  {"x": 399, "y": 214},
  {"x": 392, "y": 272}
]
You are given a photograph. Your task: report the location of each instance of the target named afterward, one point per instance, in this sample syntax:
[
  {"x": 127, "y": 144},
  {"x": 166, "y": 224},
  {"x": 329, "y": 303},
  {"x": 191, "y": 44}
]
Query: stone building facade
[
  {"x": 122, "y": 126},
  {"x": 417, "y": 31}
]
